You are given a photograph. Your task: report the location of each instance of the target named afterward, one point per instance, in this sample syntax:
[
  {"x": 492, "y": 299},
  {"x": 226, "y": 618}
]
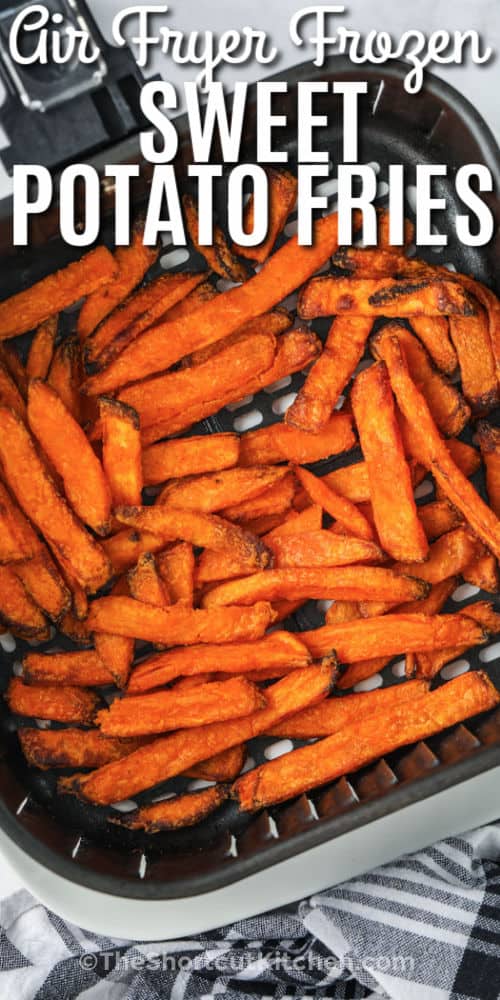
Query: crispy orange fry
[
  {"x": 47, "y": 748},
  {"x": 161, "y": 711},
  {"x": 206, "y": 530},
  {"x": 430, "y": 605},
  {"x": 52, "y": 701},
  {"x": 282, "y": 198},
  {"x": 405, "y": 297},
  {"x": 352, "y": 583},
  {"x": 350, "y": 482},
  {"x": 333, "y": 714},
  {"x": 177, "y": 625},
  {"x": 121, "y": 451},
  {"x": 18, "y": 611},
  {"x": 65, "y": 375},
  {"x": 45, "y": 585},
  {"x": 217, "y": 255},
  {"x": 357, "y": 746},
  {"x": 324, "y": 384},
  {"x": 275, "y": 650},
  {"x": 429, "y": 664},
  {"x": 137, "y": 313},
  {"x": 432, "y": 452},
  {"x": 391, "y": 491},
  {"x": 189, "y": 456},
  {"x": 10, "y": 358},
  {"x": 116, "y": 653},
  {"x": 338, "y": 506},
  {"x": 295, "y": 350},
  {"x": 275, "y": 322},
  {"x": 176, "y": 569},
  {"x": 163, "y": 345},
  {"x": 489, "y": 443},
  {"x": 365, "y": 262},
  {"x": 322, "y": 548},
  {"x": 42, "y": 347},
  {"x": 279, "y": 443},
  {"x": 9, "y": 393},
  {"x": 360, "y": 670},
  {"x": 171, "y": 814},
  {"x": 40, "y": 500},
  {"x": 132, "y": 262},
  {"x": 216, "y": 490},
  {"x": 448, "y": 556},
  {"x": 165, "y": 396},
  {"x": 17, "y": 538},
  {"x": 437, "y": 518},
  {"x": 390, "y": 635},
  {"x": 482, "y": 571},
  {"x": 75, "y": 629},
  {"x": 445, "y": 402},
  {"x": 30, "y": 308},
  {"x": 125, "y": 547},
  {"x": 434, "y": 332},
  {"x": 223, "y": 766},
  {"x": 83, "y": 668},
  {"x": 471, "y": 339},
  {"x": 167, "y": 756},
  {"x": 145, "y": 583},
  {"x": 62, "y": 439},
  {"x": 342, "y": 611},
  {"x": 275, "y": 499}
]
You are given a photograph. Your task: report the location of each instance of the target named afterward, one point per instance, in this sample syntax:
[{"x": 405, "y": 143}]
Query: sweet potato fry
[
  {"x": 161, "y": 711},
  {"x": 65, "y": 374},
  {"x": 217, "y": 255},
  {"x": 275, "y": 650},
  {"x": 83, "y": 668},
  {"x": 145, "y": 583},
  {"x": 165, "y": 396},
  {"x": 9, "y": 393},
  {"x": 137, "y": 313},
  {"x": 404, "y": 297},
  {"x": 190, "y": 457},
  {"x": 310, "y": 519},
  {"x": 437, "y": 518},
  {"x": 52, "y": 701},
  {"x": 471, "y": 339},
  {"x": 40, "y": 500},
  {"x": 489, "y": 443},
  {"x": 350, "y": 482},
  {"x": 352, "y": 583},
  {"x": 342, "y": 611},
  {"x": 116, "y": 653},
  {"x": 432, "y": 604},
  {"x": 167, "y": 756},
  {"x": 360, "y": 671},
  {"x": 445, "y": 402},
  {"x": 17, "y": 538},
  {"x": 176, "y": 569},
  {"x": 223, "y": 766},
  {"x": 275, "y": 499},
  {"x": 357, "y": 746},
  {"x": 18, "y": 612},
  {"x": 12, "y": 362},
  {"x": 163, "y": 345},
  {"x": 47, "y": 748},
  {"x": 172, "y": 814},
  {"x": 121, "y": 451},
  {"x": 448, "y": 556},
  {"x": 333, "y": 714},
  {"x": 44, "y": 584},
  {"x": 338, "y": 506},
  {"x": 217, "y": 490},
  {"x": 30, "y": 308},
  {"x": 131, "y": 262},
  {"x": 275, "y": 322},
  {"x": 125, "y": 547},
  {"x": 434, "y": 332},
  {"x": 394, "y": 510},
  {"x": 205, "y": 530},
  {"x": 62, "y": 439},
  {"x": 75, "y": 629},
  {"x": 42, "y": 348},
  {"x": 365, "y": 262},
  {"x": 491, "y": 304},
  {"x": 295, "y": 350},
  {"x": 344, "y": 348},
  {"x": 177, "y": 625},
  {"x": 282, "y": 198},
  {"x": 279, "y": 443},
  {"x": 391, "y": 635},
  {"x": 428, "y": 664},
  {"x": 482, "y": 571},
  {"x": 431, "y": 451},
  {"x": 322, "y": 548}
]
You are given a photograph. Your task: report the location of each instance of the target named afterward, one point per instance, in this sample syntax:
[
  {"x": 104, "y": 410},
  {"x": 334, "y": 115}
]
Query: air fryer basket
[{"x": 75, "y": 839}]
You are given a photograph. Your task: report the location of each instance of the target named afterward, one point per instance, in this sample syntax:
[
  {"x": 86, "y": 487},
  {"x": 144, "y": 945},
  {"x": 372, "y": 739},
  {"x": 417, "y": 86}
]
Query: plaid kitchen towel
[{"x": 425, "y": 927}]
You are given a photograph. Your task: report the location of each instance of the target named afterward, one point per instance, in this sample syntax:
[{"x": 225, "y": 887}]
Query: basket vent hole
[
  {"x": 141, "y": 871},
  {"x": 76, "y": 848},
  {"x": 290, "y": 303},
  {"x": 374, "y": 166},
  {"x": 225, "y": 284},
  {"x": 291, "y": 227},
  {"x": 175, "y": 258},
  {"x": 455, "y": 669},
  {"x": 340, "y": 402},
  {"x": 312, "y": 809},
  {"x": 449, "y": 266},
  {"x": 398, "y": 669},
  {"x": 7, "y": 642},
  {"x": 248, "y": 420},
  {"x": 278, "y": 749},
  {"x": 423, "y": 489},
  {"x": 198, "y": 783},
  {"x": 17, "y": 669},
  {"x": 273, "y": 829},
  {"x": 248, "y": 765},
  {"x": 323, "y": 606},
  {"x": 411, "y": 196},
  {"x": 22, "y": 805},
  {"x": 239, "y": 403},
  {"x": 125, "y": 806},
  {"x": 490, "y": 653},
  {"x": 282, "y": 383},
  {"x": 382, "y": 189},
  {"x": 232, "y": 851},
  {"x": 463, "y": 592},
  {"x": 163, "y": 797},
  {"x": 370, "y": 683},
  {"x": 328, "y": 187},
  {"x": 282, "y": 404}
]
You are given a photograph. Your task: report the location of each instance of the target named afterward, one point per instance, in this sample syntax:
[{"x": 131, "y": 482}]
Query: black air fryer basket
[{"x": 75, "y": 840}]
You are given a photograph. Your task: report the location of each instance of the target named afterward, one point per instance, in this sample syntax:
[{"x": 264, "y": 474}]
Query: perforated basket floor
[{"x": 76, "y": 839}]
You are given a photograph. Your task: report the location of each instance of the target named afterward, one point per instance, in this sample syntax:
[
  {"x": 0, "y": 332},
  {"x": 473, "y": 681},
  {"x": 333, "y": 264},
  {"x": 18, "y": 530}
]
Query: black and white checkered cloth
[{"x": 425, "y": 927}]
